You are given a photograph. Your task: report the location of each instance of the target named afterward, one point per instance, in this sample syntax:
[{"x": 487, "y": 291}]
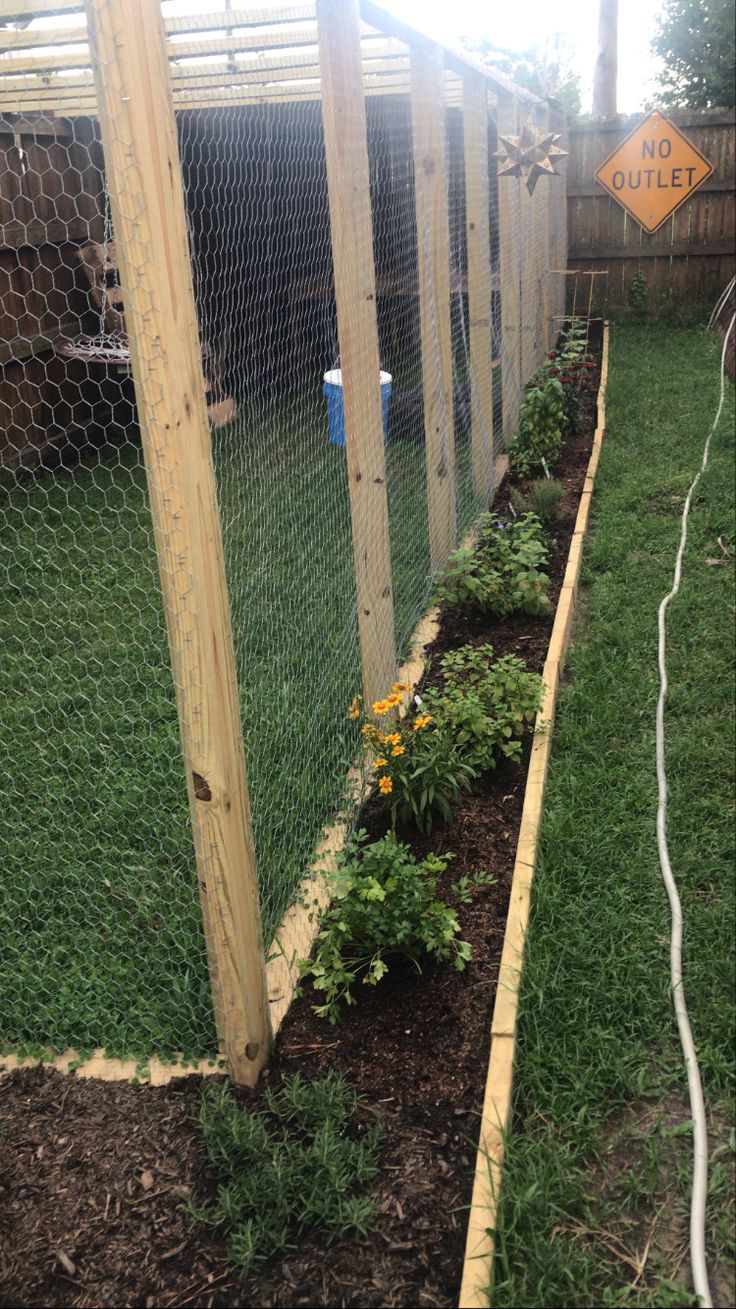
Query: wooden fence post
[
  {"x": 509, "y": 219},
  {"x": 433, "y": 249},
  {"x": 144, "y": 177},
  {"x": 348, "y": 181},
  {"x": 477, "y": 221}
]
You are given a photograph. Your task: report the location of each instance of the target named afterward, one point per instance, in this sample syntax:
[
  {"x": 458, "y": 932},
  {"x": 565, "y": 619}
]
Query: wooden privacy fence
[
  {"x": 689, "y": 260},
  {"x": 262, "y": 203}
]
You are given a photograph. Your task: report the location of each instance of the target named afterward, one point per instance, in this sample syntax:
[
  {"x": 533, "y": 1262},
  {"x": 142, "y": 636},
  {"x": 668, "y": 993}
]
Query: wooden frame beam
[
  {"x": 478, "y": 235},
  {"x": 433, "y": 249},
  {"x": 351, "y": 222},
  {"x": 141, "y": 155},
  {"x": 509, "y": 221}
]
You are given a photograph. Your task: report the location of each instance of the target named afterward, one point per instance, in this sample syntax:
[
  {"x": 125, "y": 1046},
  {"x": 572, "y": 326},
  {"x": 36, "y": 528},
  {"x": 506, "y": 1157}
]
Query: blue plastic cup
[{"x": 335, "y": 411}]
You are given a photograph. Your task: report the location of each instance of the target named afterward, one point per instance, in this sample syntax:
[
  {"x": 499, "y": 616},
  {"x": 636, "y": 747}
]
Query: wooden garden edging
[{"x": 496, "y": 1112}]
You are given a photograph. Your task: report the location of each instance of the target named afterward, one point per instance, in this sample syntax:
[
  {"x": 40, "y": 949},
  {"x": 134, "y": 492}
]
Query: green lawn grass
[
  {"x": 598, "y": 1162},
  {"x": 99, "y": 917}
]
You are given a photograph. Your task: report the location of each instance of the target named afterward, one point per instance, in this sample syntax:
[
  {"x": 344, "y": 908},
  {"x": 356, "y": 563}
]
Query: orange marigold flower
[
  {"x": 422, "y": 721},
  {"x": 385, "y": 786},
  {"x": 398, "y": 749},
  {"x": 393, "y": 738},
  {"x": 381, "y": 763},
  {"x": 368, "y": 730},
  {"x": 393, "y": 700},
  {"x": 400, "y": 688},
  {"x": 381, "y": 707}
]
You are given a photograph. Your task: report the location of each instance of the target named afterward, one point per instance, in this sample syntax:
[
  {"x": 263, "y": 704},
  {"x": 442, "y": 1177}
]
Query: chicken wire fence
[{"x": 99, "y": 909}]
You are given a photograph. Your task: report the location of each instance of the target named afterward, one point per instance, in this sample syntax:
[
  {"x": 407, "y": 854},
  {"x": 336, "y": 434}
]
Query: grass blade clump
[{"x": 294, "y": 1164}]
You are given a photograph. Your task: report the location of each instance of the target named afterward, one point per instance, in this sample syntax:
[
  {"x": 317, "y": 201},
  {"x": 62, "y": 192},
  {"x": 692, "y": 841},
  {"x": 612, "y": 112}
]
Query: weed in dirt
[
  {"x": 542, "y": 498},
  {"x": 296, "y": 1163}
]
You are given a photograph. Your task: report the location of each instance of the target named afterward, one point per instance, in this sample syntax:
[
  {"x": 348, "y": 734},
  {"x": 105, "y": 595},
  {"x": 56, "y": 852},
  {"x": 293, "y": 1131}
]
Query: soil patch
[{"x": 94, "y": 1177}]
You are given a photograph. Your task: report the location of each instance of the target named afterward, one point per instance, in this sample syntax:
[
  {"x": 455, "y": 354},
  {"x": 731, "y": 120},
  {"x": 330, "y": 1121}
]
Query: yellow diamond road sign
[{"x": 653, "y": 171}]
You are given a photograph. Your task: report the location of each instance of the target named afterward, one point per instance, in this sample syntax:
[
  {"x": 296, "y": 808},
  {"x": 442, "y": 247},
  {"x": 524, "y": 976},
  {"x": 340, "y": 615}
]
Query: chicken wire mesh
[{"x": 99, "y": 909}]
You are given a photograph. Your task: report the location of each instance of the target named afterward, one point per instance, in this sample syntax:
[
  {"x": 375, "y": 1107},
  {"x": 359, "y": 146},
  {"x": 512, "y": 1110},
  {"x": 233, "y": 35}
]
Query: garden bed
[{"x": 94, "y": 1175}]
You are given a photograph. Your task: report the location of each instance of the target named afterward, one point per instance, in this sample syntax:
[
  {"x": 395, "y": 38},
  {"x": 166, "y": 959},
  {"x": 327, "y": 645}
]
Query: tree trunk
[{"x": 606, "y": 64}]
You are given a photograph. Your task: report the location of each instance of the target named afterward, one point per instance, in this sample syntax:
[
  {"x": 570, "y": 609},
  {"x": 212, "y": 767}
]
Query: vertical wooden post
[
  {"x": 142, "y": 163},
  {"x": 509, "y": 220},
  {"x": 433, "y": 249},
  {"x": 545, "y": 261},
  {"x": 348, "y": 181},
  {"x": 529, "y": 209},
  {"x": 477, "y": 220}
]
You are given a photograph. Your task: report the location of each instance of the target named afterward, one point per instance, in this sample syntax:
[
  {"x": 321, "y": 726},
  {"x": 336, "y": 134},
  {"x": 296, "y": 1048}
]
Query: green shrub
[
  {"x": 294, "y": 1164},
  {"x": 503, "y": 573},
  {"x": 542, "y": 499},
  {"x": 541, "y": 424},
  {"x": 418, "y": 768},
  {"x": 486, "y": 706},
  {"x": 385, "y": 905}
]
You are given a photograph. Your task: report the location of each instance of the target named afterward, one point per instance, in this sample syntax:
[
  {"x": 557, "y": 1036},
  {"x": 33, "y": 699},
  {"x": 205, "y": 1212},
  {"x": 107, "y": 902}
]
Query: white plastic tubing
[{"x": 697, "y": 1105}]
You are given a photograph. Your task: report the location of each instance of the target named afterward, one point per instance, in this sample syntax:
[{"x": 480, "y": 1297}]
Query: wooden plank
[
  {"x": 23, "y": 347},
  {"x": 509, "y": 223},
  {"x": 232, "y": 20},
  {"x": 12, "y": 11},
  {"x": 477, "y": 222},
  {"x": 682, "y": 117},
  {"x": 586, "y": 192},
  {"x": 433, "y": 250},
  {"x": 190, "y": 76},
  {"x": 141, "y": 154},
  {"x": 348, "y": 184},
  {"x": 36, "y": 125},
  {"x": 727, "y": 246}
]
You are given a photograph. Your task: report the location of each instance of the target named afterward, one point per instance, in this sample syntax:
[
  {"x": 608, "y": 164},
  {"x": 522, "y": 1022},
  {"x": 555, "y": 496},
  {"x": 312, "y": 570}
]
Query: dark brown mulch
[{"x": 94, "y": 1177}]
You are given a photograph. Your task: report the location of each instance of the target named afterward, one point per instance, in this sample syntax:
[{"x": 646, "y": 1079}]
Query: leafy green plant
[
  {"x": 487, "y": 706},
  {"x": 542, "y": 499},
  {"x": 638, "y": 291},
  {"x": 294, "y": 1164},
  {"x": 385, "y": 905},
  {"x": 541, "y": 423},
  {"x": 418, "y": 767},
  {"x": 503, "y": 573}
]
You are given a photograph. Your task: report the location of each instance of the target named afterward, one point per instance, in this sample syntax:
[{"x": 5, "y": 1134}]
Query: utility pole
[{"x": 606, "y": 64}]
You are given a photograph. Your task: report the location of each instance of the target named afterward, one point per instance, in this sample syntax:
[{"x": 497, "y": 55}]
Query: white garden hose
[{"x": 697, "y": 1105}]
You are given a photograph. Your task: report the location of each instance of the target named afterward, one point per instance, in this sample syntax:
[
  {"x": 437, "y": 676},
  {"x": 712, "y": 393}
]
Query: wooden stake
[
  {"x": 348, "y": 179},
  {"x": 142, "y": 161},
  {"x": 433, "y": 248},
  {"x": 477, "y": 218},
  {"x": 509, "y": 219}
]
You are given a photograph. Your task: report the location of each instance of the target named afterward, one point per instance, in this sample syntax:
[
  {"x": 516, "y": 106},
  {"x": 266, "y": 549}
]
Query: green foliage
[
  {"x": 426, "y": 780},
  {"x": 487, "y": 706},
  {"x": 419, "y": 770},
  {"x": 638, "y": 291},
  {"x": 385, "y": 905},
  {"x": 503, "y": 573},
  {"x": 541, "y": 423},
  {"x": 696, "y": 41},
  {"x": 542, "y": 499},
  {"x": 547, "y": 71},
  {"x": 297, "y": 1163}
]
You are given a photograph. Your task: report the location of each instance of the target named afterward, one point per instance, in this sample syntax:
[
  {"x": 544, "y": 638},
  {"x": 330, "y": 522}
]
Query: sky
[{"x": 516, "y": 26}]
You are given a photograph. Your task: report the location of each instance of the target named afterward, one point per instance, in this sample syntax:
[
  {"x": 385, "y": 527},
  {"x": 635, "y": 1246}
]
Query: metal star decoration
[{"x": 529, "y": 156}]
